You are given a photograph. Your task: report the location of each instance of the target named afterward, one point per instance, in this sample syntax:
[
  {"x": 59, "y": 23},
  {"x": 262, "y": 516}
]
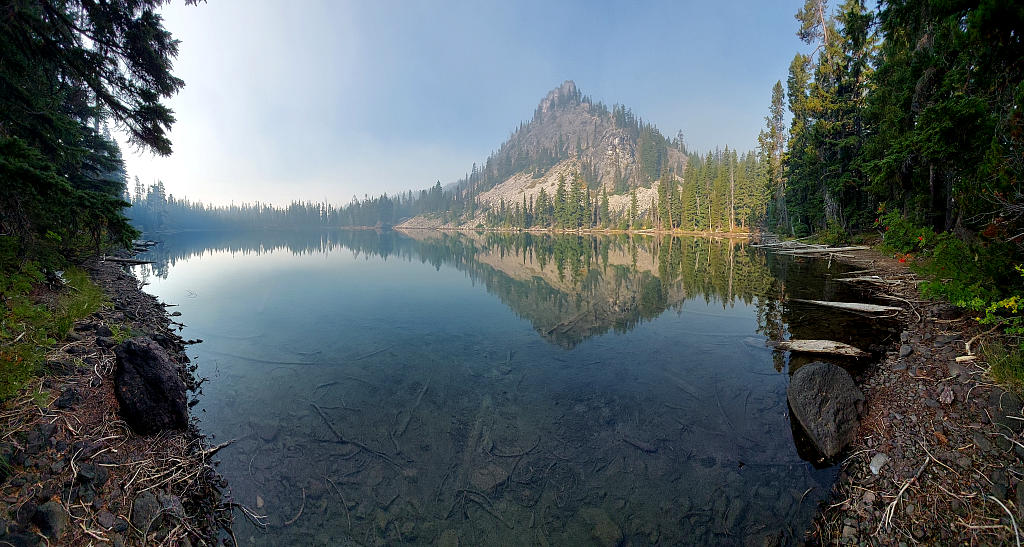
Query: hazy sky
[{"x": 329, "y": 99}]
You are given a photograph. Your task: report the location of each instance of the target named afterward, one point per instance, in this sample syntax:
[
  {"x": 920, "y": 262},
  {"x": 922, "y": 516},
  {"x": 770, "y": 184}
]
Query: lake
[{"x": 503, "y": 389}]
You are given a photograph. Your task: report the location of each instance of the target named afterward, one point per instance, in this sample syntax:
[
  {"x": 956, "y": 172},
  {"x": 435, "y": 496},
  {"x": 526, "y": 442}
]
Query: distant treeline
[
  {"x": 153, "y": 210},
  {"x": 720, "y": 191}
]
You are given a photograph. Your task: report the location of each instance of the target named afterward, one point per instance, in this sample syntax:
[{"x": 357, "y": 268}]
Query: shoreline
[
  {"x": 950, "y": 438},
  {"x": 581, "y": 231},
  {"x": 77, "y": 474}
]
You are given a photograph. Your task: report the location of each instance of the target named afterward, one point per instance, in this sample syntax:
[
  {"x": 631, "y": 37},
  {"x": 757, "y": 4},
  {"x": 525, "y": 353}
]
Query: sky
[{"x": 326, "y": 100}]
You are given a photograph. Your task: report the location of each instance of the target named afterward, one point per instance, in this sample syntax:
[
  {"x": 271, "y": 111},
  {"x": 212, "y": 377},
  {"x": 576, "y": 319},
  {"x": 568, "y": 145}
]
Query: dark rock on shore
[
  {"x": 149, "y": 389},
  {"x": 145, "y": 510},
  {"x": 827, "y": 404},
  {"x": 51, "y": 518}
]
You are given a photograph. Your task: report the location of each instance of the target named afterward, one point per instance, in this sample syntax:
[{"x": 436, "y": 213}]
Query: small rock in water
[
  {"x": 605, "y": 532},
  {"x": 259, "y": 502},
  {"x": 878, "y": 461},
  {"x": 488, "y": 477},
  {"x": 448, "y": 538}
]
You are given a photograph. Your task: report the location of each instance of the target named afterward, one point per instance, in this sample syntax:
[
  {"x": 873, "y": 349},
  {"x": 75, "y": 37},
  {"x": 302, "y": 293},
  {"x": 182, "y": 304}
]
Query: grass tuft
[
  {"x": 1007, "y": 365},
  {"x": 30, "y": 325}
]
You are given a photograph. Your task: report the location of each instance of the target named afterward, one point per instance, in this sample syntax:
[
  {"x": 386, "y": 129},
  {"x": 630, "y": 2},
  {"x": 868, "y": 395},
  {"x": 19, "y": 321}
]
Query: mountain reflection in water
[{"x": 369, "y": 382}]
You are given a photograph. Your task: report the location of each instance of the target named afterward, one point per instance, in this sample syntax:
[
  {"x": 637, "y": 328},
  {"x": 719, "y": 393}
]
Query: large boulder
[
  {"x": 149, "y": 390},
  {"x": 827, "y": 404}
]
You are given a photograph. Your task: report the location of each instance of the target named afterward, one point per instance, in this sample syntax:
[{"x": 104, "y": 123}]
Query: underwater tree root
[
  {"x": 344, "y": 504},
  {"x": 355, "y": 443},
  {"x": 301, "y": 508},
  {"x": 480, "y": 499}
]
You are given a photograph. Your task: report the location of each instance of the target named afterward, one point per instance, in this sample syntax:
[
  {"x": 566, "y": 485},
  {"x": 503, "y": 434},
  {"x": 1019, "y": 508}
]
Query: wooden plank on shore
[
  {"x": 852, "y": 306},
  {"x": 827, "y": 347}
]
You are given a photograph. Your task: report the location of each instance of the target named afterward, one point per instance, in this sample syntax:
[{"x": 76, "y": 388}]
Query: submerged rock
[
  {"x": 827, "y": 404},
  {"x": 604, "y": 532},
  {"x": 149, "y": 390}
]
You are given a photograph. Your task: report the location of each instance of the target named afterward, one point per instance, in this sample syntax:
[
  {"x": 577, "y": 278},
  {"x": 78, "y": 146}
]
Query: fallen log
[
  {"x": 869, "y": 279},
  {"x": 816, "y": 250},
  {"x": 130, "y": 261},
  {"x": 827, "y": 347},
  {"x": 852, "y": 306}
]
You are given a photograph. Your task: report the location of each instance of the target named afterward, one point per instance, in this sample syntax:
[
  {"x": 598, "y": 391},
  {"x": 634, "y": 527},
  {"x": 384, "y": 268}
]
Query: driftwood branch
[
  {"x": 827, "y": 347},
  {"x": 851, "y": 306}
]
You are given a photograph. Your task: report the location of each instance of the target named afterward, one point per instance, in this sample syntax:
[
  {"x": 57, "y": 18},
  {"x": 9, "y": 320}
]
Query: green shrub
[{"x": 835, "y": 234}]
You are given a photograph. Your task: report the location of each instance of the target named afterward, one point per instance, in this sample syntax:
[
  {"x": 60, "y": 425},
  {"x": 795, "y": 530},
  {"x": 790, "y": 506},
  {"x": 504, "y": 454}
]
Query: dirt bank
[
  {"x": 948, "y": 439},
  {"x": 77, "y": 475}
]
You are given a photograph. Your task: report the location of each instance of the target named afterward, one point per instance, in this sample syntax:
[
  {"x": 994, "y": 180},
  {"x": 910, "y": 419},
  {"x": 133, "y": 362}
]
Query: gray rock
[
  {"x": 983, "y": 443},
  {"x": 145, "y": 509},
  {"x": 51, "y": 518},
  {"x": 104, "y": 330},
  {"x": 827, "y": 404},
  {"x": 906, "y": 350},
  {"x": 877, "y": 462},
  {"x": 105, "y": 519},
  {"x": 149, "y": 390}
]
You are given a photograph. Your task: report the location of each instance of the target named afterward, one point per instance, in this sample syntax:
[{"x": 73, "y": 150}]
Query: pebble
[
  {"x": 906, "y": 350},
  {"x": 878, "y": 461},
  {"x": 983, "y": 443}
]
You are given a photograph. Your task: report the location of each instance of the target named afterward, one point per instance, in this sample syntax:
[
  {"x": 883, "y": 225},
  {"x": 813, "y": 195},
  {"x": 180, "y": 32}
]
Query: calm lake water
[{"x": 424, "y": 388}]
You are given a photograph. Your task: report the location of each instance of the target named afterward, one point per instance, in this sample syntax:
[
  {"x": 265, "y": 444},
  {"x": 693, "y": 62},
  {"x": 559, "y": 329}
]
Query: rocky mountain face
[{"x": 569, "y": 133}]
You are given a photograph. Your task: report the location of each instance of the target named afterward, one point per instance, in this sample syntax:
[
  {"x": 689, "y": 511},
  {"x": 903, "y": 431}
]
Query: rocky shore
[
  {"x": 938, "y": 458},
  {"x": 77, "y": 473}
]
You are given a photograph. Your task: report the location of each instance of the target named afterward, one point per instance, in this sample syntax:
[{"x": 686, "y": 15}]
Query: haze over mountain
[{"x": 576, "y": 164}]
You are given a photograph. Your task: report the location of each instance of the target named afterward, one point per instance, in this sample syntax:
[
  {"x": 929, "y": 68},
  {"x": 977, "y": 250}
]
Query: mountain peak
[{"x": 565, "y": 94}]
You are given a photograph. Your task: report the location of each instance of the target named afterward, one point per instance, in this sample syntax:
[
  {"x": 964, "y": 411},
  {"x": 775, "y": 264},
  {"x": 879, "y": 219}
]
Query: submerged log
[
  {"x": 852, "y": 306},
  {"x": 827, "y": 347}
]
